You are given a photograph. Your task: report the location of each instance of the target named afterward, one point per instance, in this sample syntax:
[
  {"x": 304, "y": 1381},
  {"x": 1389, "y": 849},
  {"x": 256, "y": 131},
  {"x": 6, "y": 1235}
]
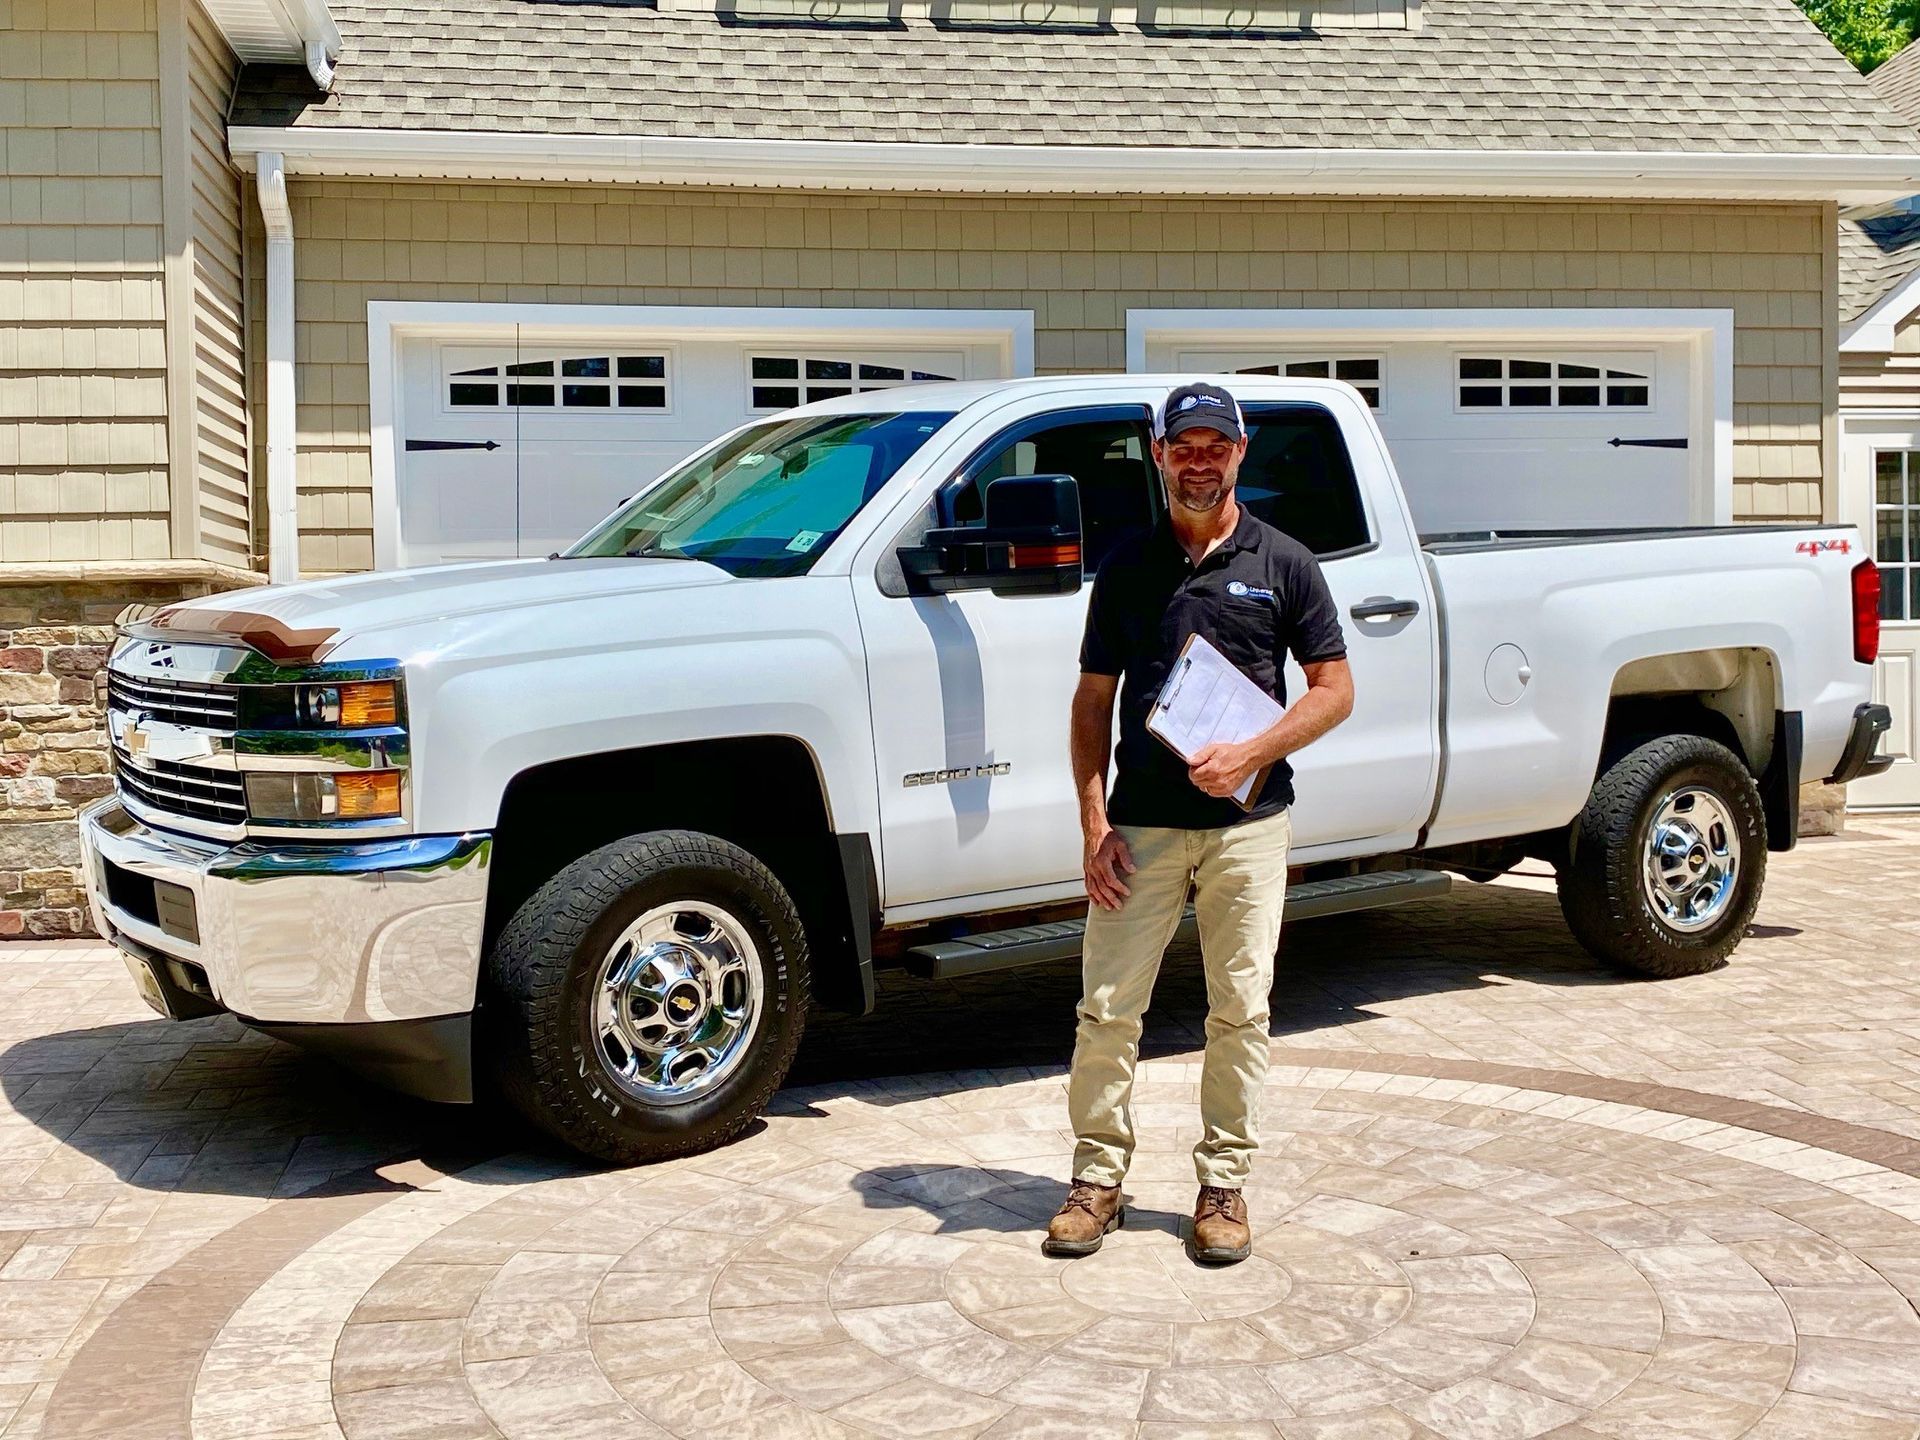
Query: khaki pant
[{"x": 1239, "y": 878}]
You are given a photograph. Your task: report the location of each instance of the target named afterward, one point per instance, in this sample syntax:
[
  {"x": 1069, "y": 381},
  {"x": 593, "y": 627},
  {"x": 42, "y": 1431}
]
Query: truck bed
[{"x": 1466, "y": 542}]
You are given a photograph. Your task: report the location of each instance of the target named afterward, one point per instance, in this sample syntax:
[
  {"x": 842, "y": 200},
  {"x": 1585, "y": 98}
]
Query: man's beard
[{"x": 1200, "y": 495}]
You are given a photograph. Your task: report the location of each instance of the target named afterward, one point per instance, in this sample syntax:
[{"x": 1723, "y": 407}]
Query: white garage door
[
  {"x": 518, "y": 446},
  {"x": 1510, "y": 434}
]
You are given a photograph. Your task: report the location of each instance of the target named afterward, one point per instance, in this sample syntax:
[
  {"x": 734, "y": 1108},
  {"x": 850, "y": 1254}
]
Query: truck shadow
[{"x": 210, "y": 1107}]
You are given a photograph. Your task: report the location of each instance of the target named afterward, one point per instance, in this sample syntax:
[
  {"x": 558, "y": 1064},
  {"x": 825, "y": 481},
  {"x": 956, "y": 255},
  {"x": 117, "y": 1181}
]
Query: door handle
[{"x": 1384, "y": 608}]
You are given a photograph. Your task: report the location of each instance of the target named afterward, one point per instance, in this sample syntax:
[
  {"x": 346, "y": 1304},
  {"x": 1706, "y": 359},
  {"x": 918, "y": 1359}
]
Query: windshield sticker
[{"x": 804, "y": 541}]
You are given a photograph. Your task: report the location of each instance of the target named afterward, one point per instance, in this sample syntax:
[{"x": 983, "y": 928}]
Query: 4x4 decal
[{"x": 1821, "y": 547}]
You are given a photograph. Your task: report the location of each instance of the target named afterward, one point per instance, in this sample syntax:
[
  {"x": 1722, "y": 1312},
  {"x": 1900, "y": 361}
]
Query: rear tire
[
  {"x": 648, "y": 1000},
  {"x": 1667, "y": 859}
]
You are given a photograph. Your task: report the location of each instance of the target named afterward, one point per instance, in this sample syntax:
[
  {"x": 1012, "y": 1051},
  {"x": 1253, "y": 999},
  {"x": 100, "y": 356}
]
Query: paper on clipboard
[{"x": 1208, "y": 700}]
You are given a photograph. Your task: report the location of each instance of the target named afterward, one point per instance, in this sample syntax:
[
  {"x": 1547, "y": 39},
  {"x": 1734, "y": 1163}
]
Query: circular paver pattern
[{"x": 1432, "y": 1257}]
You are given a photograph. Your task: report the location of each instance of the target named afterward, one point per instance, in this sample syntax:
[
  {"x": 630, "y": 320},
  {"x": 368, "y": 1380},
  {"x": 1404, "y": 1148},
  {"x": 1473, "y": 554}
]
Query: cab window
[{"x": 1299, "y": 478}]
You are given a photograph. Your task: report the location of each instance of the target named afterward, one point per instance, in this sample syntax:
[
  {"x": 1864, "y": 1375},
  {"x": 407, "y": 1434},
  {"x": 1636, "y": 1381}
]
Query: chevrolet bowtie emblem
[{"x": 135, "y": 740}]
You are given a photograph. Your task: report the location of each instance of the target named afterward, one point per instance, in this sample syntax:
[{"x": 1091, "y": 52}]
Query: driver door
[{"x": 971, "y": 691}]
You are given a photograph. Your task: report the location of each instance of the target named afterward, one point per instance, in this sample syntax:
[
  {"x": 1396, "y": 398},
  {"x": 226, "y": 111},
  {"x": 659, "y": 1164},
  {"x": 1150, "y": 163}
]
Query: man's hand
[
  {"x": 1107, "y": 859},
  {"x": 1221, "y": 769}
]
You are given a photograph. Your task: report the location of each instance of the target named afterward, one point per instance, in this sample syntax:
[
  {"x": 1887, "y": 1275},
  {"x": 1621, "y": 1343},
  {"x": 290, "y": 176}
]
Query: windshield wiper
[{"x": 655, "y": 552}]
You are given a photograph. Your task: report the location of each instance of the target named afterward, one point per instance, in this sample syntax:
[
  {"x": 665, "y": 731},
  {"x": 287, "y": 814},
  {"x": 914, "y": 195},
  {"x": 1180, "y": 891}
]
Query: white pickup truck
[{"x": 606, "y": 823}]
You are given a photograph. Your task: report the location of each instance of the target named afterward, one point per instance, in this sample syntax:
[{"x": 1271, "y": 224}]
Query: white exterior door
[
  {"x": 1881, "y": 494},
  {"x": 516, "y": 444},
  {"x": 1513, "y": 434}
]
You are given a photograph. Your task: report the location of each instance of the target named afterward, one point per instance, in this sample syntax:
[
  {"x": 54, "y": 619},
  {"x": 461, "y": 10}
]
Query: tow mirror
[{"x": 1030, "y": 544}]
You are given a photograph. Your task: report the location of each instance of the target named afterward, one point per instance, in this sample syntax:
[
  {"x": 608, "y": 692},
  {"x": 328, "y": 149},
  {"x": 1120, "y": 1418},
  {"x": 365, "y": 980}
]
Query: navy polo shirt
[{"x": 1258, "y": 597}]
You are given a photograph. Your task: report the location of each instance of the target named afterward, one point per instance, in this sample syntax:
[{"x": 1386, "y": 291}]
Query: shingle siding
[
  {"x": 1078, "y": 265},
  {"x": 83, "y": 435}
]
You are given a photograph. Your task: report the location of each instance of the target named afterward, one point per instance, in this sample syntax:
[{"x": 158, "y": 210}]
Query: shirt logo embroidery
[{"x": 1240, "y": 590}]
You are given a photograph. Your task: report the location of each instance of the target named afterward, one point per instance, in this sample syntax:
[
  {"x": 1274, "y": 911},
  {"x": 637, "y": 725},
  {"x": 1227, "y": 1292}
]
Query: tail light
[{"x": 1866, "y": 612}]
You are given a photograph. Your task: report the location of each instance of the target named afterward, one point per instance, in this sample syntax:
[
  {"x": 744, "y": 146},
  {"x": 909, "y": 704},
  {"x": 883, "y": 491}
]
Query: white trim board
[
  {"x": 1709, "y": 332},
  {"x": 1851, "y": 178},
  {"x": 390, "y": 321},
  {"x": 1873, "y": 332}
]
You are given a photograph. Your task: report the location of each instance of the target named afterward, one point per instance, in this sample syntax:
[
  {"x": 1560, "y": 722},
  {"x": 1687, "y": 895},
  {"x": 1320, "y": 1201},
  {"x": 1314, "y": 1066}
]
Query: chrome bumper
[{"x": 296, "y": 933}]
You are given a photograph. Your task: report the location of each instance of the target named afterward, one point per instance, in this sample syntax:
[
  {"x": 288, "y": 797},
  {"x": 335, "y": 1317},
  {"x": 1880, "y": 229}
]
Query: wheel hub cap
[
  {"x": 677, "y": 1002},
  {"x": 1692, "y": 859}
]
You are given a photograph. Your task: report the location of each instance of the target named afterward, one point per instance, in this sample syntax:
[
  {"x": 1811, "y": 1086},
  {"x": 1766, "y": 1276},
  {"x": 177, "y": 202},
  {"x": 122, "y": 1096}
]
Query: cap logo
[{"x": 1193, "y": 400}]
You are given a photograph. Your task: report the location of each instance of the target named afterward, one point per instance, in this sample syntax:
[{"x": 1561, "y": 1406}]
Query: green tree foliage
[{"x": 1867, "y": 31}]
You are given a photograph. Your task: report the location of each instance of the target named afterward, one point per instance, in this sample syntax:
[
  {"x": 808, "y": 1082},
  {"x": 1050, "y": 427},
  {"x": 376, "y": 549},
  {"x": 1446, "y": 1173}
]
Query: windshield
[{"x": 770, "y": 499}]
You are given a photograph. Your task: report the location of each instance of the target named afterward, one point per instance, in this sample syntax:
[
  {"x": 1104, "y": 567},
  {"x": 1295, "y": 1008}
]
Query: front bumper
[
  {"x": 281, "y": 934},
  {"x": 1858, "y": 760}
]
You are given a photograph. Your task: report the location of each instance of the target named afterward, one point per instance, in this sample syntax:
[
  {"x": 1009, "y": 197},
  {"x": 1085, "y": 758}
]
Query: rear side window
[{"x": 1299, "y": 479}]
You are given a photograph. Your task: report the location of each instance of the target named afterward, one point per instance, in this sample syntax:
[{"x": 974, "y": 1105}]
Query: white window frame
[
  {"x": 1010, "y": 332},
  {"x": 1707, "y": 332},
  {"x": 803, "y": 353},
  {"x": 1283, "y": 358},
  {"x": 612, "y": 349},
  {"x": 1647, "y": 361}
]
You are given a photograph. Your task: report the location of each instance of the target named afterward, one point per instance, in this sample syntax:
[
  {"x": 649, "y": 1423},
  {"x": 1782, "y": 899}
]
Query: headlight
[
  {"x": 307, "y": 795},
  {"x": 357, "y": 703}
]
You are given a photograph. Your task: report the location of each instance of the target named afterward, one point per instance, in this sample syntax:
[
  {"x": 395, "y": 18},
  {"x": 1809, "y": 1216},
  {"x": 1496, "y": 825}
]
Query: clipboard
[{"x": 1208, "y": 700}]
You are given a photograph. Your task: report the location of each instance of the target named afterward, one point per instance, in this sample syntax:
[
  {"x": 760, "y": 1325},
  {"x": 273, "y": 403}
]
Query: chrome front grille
[
  {"x": 219, "y": 796},
  {"x": 178, "y": 702}
]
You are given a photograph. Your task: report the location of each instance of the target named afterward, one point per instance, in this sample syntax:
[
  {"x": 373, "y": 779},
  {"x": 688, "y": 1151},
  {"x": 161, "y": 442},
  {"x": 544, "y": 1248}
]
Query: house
[
  {"x": 1879, "y": 475},
  {"x": 291, "y": 290}
]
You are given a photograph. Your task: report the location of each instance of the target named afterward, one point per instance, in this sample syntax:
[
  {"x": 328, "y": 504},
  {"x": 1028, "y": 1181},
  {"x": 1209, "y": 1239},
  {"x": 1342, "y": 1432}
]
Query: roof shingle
[{"x": 1582, "y": 75}]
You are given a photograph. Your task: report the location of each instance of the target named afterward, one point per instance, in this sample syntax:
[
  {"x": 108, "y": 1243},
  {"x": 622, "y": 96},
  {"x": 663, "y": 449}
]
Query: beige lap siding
[
  {"x": 1079, "y": 265},
  {"x": 83, "y": 444}
]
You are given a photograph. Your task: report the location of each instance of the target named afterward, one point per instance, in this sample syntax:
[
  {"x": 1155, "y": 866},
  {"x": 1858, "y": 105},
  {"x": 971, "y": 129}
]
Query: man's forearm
[
  {"x": 1091, "y": 730},
  {"x": 1310, "y": 717}
]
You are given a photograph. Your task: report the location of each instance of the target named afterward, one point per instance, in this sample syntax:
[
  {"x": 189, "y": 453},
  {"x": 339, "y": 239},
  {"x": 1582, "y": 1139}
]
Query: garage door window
[
  {"x": 780, "y": 382},
  {"x": 1366, "y": 373},
  {"x": 573, "y": 382},
  {"x": 1493, "y": 382}
]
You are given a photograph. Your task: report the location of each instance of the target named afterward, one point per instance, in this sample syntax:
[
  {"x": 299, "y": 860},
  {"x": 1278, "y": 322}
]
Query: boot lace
[
  {"x": 1081, "y": 1195},
  {"x": 1216, "y": 1200}
]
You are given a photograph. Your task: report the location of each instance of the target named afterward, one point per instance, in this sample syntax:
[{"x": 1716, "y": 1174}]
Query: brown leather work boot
[
  {"x": 1089, "y": 1212},
  {"x": 1220, "y": 1233}
]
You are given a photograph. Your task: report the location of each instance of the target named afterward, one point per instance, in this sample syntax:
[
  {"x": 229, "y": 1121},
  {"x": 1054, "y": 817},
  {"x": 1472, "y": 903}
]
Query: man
[{"x": 1209, "y": 568}]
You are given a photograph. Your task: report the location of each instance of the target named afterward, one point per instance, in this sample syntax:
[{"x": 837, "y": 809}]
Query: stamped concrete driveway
[{"x": 1504, "y": 1193}]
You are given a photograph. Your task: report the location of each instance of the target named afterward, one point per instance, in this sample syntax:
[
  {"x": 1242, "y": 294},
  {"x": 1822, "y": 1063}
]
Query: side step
[{"x": 1060, "y": 940}]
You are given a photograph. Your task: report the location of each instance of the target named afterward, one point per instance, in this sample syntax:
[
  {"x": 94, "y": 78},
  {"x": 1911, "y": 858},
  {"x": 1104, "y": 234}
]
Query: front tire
[
  {"x": 1667, "y": 859},
  {"x": 648, "y": 1000}
]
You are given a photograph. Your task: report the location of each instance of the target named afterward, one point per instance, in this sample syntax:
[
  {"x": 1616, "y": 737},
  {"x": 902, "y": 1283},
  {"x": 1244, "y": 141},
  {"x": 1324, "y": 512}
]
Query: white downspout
[{"x": 283, "y": 516}]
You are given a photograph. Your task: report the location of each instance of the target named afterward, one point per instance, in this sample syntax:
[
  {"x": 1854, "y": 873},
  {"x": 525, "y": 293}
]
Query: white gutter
[
  {"x": 283, "y": 517},
  {"x": 1850, "y": 178}
]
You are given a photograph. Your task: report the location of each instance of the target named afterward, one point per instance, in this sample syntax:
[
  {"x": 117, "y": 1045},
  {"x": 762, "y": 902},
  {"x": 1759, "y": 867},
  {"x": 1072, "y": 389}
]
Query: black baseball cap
[{"x": 1198, "y": 405}]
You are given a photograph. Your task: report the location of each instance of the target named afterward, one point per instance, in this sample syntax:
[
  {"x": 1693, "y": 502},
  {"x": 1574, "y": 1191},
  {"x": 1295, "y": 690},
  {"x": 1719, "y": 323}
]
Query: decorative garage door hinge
[
  {"x": 1677, "y": 444},
  {"x": 453, "y": 444}
]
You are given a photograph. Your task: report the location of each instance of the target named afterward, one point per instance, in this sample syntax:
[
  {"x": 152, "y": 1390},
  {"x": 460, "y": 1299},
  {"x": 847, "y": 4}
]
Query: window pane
[
  {"x": 882, "y": 372},
  {"x": 530, "y": 394},
  {"x": 1890, "y": 597},
  {"x": 775, "y": 397},
  {"x": 584, "y": 396},
  {"x": 827, "y": 392},
  {"x": 1529, "y": 370},
  {"x": 1309, "y": 369},
  {"x": 1624, "y": 375},
  {"x": 475, "y": 394},
  {"x": 1298, "y": 478},
  {"x": 829, "y": 369},
  {"x": 483, "y": 370},
  {"x": 1479, "y": 369},
  {"x": 1626, "y": 395},
  {"x": 1480, "y": 395},
  {"x": 531, "y": 367},
  {"x": 1886, "y": 473},
  {"x": 644, "y": 367},
  {"x": 1532, "y": 395},
  {"x": 1579, "y": 372},
  {"x": 1259, "y": 370},
  {"x": 929, "y": 375},
  {"x": 1371, "y": 394},
  {"x": 775, "y": 367},
  {"x": 1913, "y": 594},
  {"x": 590, "y": 367},
  {"x": 1579, "y": 394},
  {"x": 1889, "y": 537},
  {"x": 1356, "y": 369},
  {"x": 645, "y": 397}
]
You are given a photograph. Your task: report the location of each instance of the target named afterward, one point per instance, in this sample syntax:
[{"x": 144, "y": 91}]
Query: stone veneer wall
[{"x": 54, "y": 638}]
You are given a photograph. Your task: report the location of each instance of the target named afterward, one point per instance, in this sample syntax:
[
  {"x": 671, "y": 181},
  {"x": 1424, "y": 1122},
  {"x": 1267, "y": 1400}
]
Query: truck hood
[{"x": 298, "y": 623}]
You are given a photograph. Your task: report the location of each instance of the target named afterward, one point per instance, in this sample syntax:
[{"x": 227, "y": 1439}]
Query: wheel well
[
  {"x": 1730, "y": 695},
  {"x": 763, "y": 793}
]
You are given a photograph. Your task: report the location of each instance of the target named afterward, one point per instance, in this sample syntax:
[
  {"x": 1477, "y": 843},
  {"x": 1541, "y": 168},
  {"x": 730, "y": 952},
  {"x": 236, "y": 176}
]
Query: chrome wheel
[
  {"x": 1692, "y": 862},
  {"x": 677, "y": 1001}
]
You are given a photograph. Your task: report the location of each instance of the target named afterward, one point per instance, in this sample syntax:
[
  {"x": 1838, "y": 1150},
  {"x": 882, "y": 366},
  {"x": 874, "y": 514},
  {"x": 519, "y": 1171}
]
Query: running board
[{"x": 1060, "y": 940}]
